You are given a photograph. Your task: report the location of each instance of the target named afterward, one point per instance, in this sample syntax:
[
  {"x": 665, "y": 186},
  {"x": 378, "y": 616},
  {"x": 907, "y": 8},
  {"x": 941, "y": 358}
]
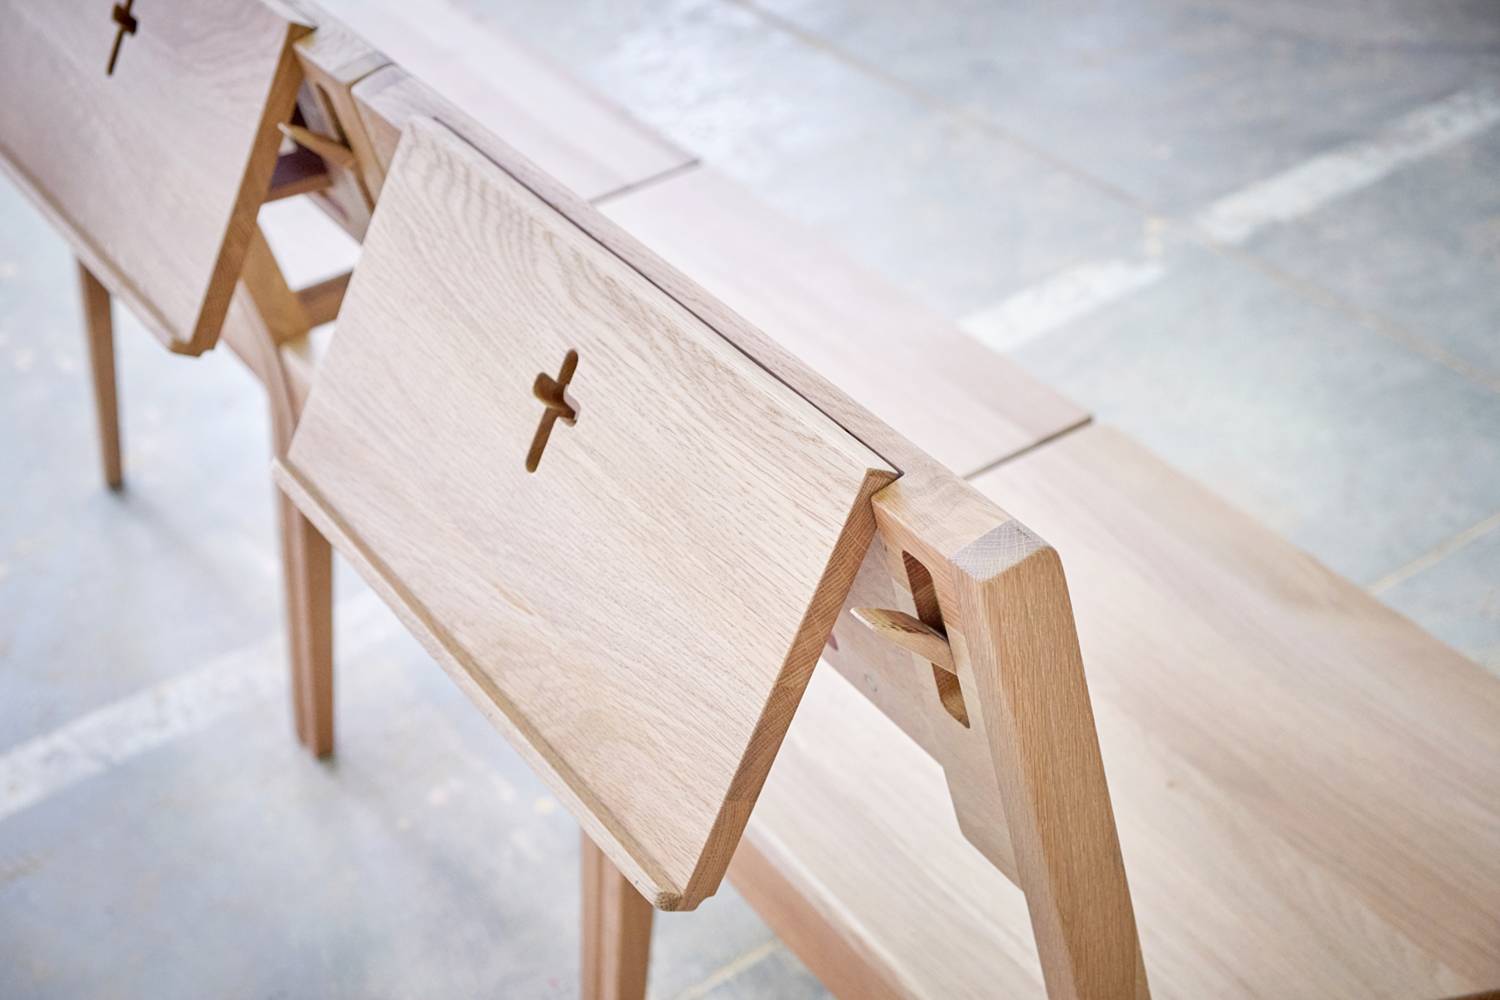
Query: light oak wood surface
[
  {"x": 588, "y": 144},
  {"x": 389, "y": 100},
  {"x": 965, "y": 405},
  {"x": 640, "y": 615},
  {"x": 1307, "y": 786},
  {"x": 154, "y": 172}
]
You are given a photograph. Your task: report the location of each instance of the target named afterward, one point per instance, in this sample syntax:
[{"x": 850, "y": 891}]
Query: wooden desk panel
[
  {"x": 153, "y": 173},
  {"x": 641, "y": 612}
]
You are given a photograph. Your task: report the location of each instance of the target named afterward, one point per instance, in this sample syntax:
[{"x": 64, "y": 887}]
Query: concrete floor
[{"x": 1265, "y": 239}]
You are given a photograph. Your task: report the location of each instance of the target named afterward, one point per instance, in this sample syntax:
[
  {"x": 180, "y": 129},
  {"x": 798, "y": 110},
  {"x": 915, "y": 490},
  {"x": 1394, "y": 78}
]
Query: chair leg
[
  {"x": 307, "y": 561},
  {"x": 616, "y": 931},
  {"x": 264, "y": 314},
  {"x": 99, "y": 328}
]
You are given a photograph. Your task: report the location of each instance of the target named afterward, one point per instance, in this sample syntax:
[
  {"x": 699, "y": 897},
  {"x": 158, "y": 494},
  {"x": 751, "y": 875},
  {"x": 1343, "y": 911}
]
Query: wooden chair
[
  {"x": 856, "y": 853},
  {"x": 625, "y": 523},
  {"x": 155, "y": 144},
  {"x": 1266, "y": 856},
  {"x": 616, "y": 919}
]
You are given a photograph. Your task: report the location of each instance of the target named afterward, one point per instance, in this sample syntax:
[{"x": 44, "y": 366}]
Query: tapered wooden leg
[
  {"x": 616, "y": 931},
  {"x": 263, "y": 315},
  {"x": 100, "y": 331},
  {"x": 307, "y": 561}
]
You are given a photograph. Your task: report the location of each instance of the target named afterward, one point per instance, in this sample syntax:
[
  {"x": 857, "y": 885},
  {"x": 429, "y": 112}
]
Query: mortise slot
[{"x": 924, "y": 596}]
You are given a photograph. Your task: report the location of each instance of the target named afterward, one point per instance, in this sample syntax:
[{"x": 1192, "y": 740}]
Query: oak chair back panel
[
  {"x": 623, "y": 537},
  {"x": 154, "y": 168}
]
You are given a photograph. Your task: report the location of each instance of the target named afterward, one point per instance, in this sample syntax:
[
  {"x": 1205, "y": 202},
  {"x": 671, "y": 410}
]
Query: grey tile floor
[{"x": 1335, "y": 371}]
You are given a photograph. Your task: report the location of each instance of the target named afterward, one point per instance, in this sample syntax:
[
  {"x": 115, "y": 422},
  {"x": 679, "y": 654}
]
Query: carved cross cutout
[
  {"x": 126, "y": 26},
  {"x": 553, "y": 395}
]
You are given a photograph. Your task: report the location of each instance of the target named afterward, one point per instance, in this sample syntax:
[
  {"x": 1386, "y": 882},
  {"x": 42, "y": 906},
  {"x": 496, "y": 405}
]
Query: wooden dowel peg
[
  {"x": 331, "y": 150},
  {"x": 910, "y": 634}
]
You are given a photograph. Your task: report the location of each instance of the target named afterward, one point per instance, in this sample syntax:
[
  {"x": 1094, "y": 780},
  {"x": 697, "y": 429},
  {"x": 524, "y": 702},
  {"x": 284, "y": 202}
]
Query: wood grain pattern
[
  {"x": 639, "y": 616},
  {"x": 958, "y": 401},
  {"x": 589, "y": 145},
  {"x": 1035, "y": 831},
  {"x": 99, "y": 332},
  {"x": 1306, "y": 785},
  {"x": 898, "y": 452},
  {"x": 989, "y": 818},
  {"x": 163, "y": 223},
  {"x": 390, "y": 97}
]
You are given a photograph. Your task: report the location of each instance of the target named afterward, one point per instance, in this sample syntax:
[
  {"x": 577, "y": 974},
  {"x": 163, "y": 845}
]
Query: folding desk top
[
  {"x": 154, "y": 170},
  {"x": 640, "y": 613}
]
